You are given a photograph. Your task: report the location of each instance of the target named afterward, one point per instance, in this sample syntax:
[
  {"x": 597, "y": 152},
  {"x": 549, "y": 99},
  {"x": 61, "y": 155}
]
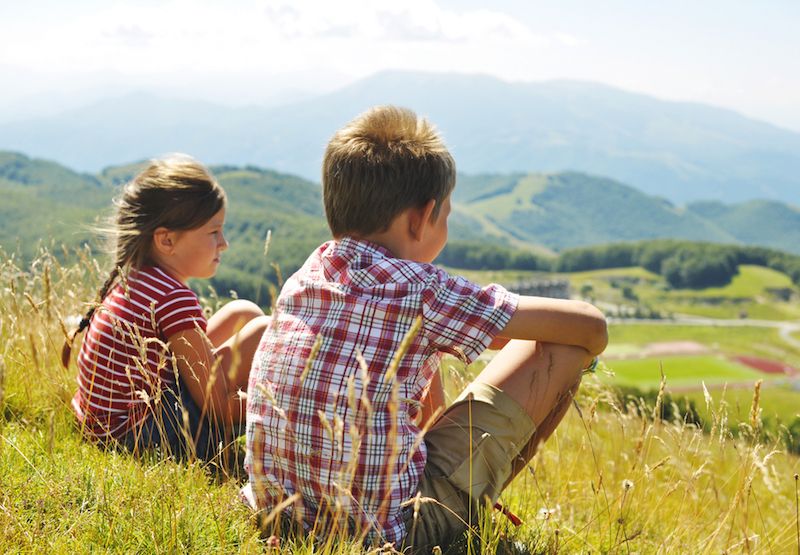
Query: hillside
[
  {"x": 680, "y": 151},
  {"x": 539, "y": 213},
  {"x": 762, "y": 222},
  {"x": 611, "y": 479},
  {"x": 43, "y": 200},
  {"x": 571, "y": 209}
]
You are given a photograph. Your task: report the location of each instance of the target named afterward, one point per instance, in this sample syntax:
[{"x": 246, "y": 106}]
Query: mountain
[
  {"x": 757, "y": 222},
  {"x": 679, "y": 151}
]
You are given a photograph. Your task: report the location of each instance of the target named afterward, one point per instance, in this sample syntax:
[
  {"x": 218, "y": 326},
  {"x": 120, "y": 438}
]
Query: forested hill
[
  {"x": 567, "y": 210},
  {"x": 531, "y": 212}
]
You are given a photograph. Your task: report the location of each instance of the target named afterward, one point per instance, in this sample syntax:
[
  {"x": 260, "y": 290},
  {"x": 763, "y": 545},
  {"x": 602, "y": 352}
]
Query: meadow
[
  {"x": 611, "y": 480},
  {"x": 752, "y": 293}
]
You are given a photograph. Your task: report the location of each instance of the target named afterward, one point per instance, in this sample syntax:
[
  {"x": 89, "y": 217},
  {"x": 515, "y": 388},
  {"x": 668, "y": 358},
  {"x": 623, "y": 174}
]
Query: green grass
[
  {"x": 778, "y": 403},
  {"x": 747, "y": 294},
  {"x": 745, "y": 340},
  {"x": 608, "y": 481},
  {"x": 680, "y": 371},
  {"x": 751, "y": 281},
  {"x": 61, "y": 494}
]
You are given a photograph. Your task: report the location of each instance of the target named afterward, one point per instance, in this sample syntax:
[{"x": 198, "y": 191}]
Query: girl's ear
[
  {"x": 420, "y": 218},
  {"x": 163, "y": 241}
]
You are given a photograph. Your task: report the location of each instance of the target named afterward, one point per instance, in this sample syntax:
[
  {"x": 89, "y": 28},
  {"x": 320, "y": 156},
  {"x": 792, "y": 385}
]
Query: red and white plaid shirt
[{"x": 329, "y": 429}]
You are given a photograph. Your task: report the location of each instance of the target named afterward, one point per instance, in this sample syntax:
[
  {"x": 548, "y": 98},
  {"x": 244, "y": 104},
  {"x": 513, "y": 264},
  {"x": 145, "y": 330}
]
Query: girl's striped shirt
[{"x": 124, "y": 362}]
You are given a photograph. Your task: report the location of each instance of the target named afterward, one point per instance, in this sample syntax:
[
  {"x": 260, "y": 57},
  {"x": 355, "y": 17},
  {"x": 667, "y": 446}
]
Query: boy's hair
[
  {"x": 176, "y": 192},
  {"x": 383, "y": 162}
]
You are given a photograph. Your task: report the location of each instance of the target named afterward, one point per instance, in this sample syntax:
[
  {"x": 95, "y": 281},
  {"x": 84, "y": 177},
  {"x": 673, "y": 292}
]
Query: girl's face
[{"x": 195, "y": 253}]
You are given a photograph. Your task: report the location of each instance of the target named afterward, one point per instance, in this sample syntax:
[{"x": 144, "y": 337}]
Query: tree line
[{"x": 683, "y": 264}]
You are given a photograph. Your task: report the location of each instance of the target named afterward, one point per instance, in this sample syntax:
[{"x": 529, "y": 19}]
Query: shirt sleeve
[
  {"x": 462, "y": 318},
  {"x": 179, "y": 311}
]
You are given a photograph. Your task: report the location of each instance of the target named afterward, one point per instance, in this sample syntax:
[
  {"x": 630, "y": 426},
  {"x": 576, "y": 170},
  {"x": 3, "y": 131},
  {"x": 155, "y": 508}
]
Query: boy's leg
[
  {"x": 536, "y": 375},
  {"x": 229, "y": 319},
  {"x": 542, "y": 378},
  {"x": 490, "y": 433}
]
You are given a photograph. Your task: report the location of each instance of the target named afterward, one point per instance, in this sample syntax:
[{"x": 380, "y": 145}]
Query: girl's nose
[{"x": 222, "y": 244}]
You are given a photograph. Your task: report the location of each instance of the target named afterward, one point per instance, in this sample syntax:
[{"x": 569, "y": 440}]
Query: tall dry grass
[{"x": 610, "y": 480}]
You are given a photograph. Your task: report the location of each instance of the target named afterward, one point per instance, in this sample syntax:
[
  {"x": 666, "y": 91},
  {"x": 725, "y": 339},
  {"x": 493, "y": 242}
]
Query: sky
[{"x": 737, "y": 54}]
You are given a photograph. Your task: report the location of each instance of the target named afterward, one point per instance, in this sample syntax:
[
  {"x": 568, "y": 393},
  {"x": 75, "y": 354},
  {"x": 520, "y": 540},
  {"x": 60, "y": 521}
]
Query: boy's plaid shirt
[{"x": 327, "y": 429}]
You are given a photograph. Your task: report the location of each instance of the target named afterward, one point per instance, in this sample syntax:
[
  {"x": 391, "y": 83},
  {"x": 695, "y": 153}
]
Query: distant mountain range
[{"x": 683, "y": 152}]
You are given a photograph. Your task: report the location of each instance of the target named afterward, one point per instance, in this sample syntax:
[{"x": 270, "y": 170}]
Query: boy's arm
[{"x": 566, "y": 322}]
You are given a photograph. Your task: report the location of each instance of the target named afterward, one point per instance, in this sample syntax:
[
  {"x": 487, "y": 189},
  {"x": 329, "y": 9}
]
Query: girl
[{"x": 152, "y": 372}]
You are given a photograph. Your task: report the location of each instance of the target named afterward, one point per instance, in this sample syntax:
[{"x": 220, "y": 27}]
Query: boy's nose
[{"x": 223, "y": 243}]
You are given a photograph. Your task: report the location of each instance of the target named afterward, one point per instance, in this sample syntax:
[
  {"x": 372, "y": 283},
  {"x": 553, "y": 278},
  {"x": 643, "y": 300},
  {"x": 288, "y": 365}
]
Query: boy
[{"x": 340, "y": 430}]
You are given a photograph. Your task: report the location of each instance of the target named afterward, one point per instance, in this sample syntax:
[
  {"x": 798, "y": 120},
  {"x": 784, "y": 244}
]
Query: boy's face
[{"x": 436, "y": 235}]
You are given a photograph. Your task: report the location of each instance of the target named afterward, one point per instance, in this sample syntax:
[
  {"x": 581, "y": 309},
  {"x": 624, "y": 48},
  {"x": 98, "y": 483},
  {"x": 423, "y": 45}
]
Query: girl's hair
[{"x": 177, "y": 193}]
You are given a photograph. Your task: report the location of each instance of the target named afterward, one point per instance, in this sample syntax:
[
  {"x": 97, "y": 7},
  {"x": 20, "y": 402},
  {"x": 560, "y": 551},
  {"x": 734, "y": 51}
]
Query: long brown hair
[{"x": 177, "y": 193}]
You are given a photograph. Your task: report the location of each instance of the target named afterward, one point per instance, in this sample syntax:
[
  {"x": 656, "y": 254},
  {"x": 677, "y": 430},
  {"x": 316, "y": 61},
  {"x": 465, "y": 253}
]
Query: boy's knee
[{"x": 567, "y": 356}]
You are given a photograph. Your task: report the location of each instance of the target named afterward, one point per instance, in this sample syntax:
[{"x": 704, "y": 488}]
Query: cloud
[
  {"x": 568, "y": 39},
  {"x": 135, "y": 37}
]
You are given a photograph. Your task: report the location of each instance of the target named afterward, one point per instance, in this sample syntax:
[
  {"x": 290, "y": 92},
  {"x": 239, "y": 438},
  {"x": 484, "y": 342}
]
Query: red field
[{"x": 767, "y": 366}]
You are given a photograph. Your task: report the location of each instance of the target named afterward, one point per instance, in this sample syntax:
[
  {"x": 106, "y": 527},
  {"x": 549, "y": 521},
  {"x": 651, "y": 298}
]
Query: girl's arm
[
  {"x": 561, "y": 321},
  {"x": 203, "y": 374}
]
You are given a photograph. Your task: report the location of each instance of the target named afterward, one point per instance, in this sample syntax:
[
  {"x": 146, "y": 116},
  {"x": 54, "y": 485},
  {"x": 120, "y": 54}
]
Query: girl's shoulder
[{"x": 156, "y": 283}]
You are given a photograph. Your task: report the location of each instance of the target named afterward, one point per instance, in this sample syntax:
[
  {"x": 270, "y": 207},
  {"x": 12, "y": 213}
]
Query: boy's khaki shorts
[{"x": 471, "y": 450}]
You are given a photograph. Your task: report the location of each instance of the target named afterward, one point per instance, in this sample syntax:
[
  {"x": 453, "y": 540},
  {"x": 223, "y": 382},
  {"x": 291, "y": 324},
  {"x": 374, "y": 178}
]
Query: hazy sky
[{"x": 737, "y": 54}]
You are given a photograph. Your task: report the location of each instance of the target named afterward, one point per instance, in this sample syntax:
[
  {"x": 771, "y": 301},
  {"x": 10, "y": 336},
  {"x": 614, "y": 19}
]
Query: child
[
  {"x": 335, "y": 423},
  {"x": 151, "y": 370}
]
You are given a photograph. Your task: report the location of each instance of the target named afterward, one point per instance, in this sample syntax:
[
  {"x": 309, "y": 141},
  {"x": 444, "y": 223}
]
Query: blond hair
[{"x": 383, "y": 162}]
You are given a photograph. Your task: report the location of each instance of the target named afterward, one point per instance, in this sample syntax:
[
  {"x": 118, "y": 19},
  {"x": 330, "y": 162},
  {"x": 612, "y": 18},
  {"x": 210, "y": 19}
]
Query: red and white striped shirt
[
  {"x": 123, "y": 360},
  {"x": 338, "y": 435}
]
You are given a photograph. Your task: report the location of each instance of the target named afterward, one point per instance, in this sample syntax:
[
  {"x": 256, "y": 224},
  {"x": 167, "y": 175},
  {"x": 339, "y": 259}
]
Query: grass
[
  {"x": 740, "y": 340},
  {"x": 681, "y": 371},
  {"x": 609, "y": 481},
  {"x": 779, "y": 403},
  {"x": 747, "y": 294}
]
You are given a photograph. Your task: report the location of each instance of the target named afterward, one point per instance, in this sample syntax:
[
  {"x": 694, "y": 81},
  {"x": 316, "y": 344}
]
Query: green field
[
  {"x": 744, "y": 340},
  {"x": 749, "y": 293},
  {"x": 680, "y": 372}
]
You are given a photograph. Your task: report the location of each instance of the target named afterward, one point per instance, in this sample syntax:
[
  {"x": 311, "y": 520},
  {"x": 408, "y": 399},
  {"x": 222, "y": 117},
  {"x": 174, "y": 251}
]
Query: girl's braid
[{"x": 66, "y": 350}]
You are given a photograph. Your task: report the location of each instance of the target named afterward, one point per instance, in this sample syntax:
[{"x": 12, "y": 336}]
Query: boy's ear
[
  {"x": 419, "y": 218},
  {"x": 163, "y": 240}
]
